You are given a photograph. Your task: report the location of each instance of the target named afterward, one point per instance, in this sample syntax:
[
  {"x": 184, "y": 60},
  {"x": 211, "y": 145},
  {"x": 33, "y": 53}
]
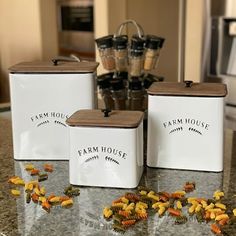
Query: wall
[
  {"x": 22, "y": 25},
  {"x": 194, "y": 39},
  {"x": 160, "y": 17}
]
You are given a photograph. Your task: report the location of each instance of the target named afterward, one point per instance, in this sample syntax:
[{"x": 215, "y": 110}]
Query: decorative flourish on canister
[
  {"x": 112, "y": 160},
  {"x": 176, "y": 129},
  {"x": 195, "y": 130},
  {"x": 43, "y": 123},
  {"x": 59, "y": 122}
]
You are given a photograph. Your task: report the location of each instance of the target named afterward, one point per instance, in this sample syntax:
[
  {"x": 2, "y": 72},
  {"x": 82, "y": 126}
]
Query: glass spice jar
[
  {"x": 118, "y": 94},
  {"x": 106, "y": 52},
  {"x": 121, "y": 52},
  {"x": 136, "y": 95},
  {"x": 136, "y": 56},
  {"x": 104, "y": 85},
  {"x": 153, "y": 46}
]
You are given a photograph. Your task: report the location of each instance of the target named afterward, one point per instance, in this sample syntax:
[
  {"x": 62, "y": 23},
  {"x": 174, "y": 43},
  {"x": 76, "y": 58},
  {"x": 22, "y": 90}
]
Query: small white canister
[
  {"x": 185, "y": 125},
  {"x": 106, "y": 148},
  {"x": 43, "y": 96}
]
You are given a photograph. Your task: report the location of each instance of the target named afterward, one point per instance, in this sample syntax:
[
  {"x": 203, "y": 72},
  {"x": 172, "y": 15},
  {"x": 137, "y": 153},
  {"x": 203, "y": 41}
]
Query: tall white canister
[
  {"x": 185, "y": 125},
  {"x": 106, "y": 148},
  {"x": 43, "y": 96}
]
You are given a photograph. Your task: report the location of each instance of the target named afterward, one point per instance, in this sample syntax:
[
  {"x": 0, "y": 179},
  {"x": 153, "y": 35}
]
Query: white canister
[
  {"x": 106, "y": 148},
  {"x": 43, "y": 96},
  {"x": 185, "y": 125}
]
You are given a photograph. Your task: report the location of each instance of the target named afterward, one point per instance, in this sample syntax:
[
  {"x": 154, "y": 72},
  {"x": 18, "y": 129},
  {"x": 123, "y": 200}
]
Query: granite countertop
[{"x": 85, "y": 217}]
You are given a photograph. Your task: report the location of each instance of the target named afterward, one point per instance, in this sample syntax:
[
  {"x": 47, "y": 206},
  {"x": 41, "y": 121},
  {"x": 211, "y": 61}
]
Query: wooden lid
[
  {"x": 116, "y": 118},
  {"x": 188, "y": 88},
  {"x": 49, "y": 67}
]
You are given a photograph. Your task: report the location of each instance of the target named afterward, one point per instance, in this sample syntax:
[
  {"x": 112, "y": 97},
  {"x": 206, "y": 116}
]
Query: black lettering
[
  {"x": 180, "y": 121},
  {"x": 115, "y": 151},
  {"x": 174, "y": 122},
  {"x": 95, "y": 149},
  {"x": 45, "y": 114},
  {"x": 187, "y": 121},
  {"x": 41, "y": 116},
  {"x": 120, "y": 153},
  {"x": 207, "y": 126},
  {"x": 79, "y": 151},
  {"x": 164, "y": 124},
  {"x": 124, "y": 155},
  {"x": 103, "y": 149},
  {"x": 52, "y": 114},
  {"x": 32, "y": 119},
  {"x": 109, "y": 150},
  {"x": 192, "y": 122}
]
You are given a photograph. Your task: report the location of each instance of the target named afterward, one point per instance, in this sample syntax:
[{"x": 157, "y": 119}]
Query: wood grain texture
[
  {"x": 48, "y": 67},
  {"x": 95, "y": 118},
  {"x": 196, "y": 89}
]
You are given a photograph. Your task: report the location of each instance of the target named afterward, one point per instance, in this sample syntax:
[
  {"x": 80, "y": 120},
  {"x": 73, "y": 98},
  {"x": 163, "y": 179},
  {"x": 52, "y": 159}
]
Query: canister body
[
  {"x": 185, "y": 132},
  {"x": 106, "y": 157},
  {"x": 40, "y": 105}
]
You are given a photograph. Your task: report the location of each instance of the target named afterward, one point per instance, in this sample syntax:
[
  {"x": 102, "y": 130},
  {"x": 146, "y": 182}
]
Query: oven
[{"x": 76, "y": 27}]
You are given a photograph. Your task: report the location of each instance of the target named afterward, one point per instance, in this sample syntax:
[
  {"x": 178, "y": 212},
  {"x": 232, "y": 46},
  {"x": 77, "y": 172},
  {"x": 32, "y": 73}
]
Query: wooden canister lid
[
  {"x": 188, "y": 88},
  {"x": 96, "y": 118},
  {"x": 50, "y": 67}
]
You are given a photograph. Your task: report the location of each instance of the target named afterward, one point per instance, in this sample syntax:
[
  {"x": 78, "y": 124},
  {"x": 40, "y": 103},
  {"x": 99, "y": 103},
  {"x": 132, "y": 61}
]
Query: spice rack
[{"x": 129, "y": 64}]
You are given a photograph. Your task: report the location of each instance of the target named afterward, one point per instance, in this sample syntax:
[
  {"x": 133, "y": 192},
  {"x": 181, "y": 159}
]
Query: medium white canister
[
  {"x": 106, "y": 148},
  {"x": 185, "y": 125},
  {"x": 43, "y": 96}
]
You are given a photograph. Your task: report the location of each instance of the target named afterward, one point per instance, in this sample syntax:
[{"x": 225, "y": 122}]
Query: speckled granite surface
[{"x": 85, "y": 217}]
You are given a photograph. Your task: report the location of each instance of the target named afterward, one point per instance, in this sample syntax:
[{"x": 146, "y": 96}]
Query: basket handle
[
  {"x": 72, "y": 58},
  {"x": 137, "y": 26}
]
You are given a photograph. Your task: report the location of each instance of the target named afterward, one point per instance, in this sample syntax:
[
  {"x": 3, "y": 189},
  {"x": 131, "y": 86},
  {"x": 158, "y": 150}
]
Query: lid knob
[
  {"x": 188, "y": 83},
  {"x": 106, "y": 112}
]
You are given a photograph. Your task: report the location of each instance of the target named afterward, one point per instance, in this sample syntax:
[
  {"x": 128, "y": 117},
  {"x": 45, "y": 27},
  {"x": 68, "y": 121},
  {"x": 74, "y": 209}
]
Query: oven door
[{"x": 76, "y": 27}]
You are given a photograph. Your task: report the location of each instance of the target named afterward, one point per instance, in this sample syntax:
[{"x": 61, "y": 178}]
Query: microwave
[{"x": 76, "y": 25}]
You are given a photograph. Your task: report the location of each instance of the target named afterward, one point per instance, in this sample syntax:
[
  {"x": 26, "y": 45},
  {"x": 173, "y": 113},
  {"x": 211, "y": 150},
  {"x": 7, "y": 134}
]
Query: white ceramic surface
[
  {"x": 40, "y": 105},
  {"x": 106, "y": 157},
  {"x": 185, "y": 132}
]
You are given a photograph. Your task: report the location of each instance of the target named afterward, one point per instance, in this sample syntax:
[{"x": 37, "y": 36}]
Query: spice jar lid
[
  {"x": 120, "y": 42},
  {"x": 154, "y": 42},
  {"x": 188, "y": 88},
  {"x": 103, "y": 80},
  {"x": 117, "y": 84},
  {"x": 49, "y": 67},
  {"x": 137, "y": 43},
  {"x": 121, "y": 75},
  {"x": 105, "y": 42},
  {"x": 149, "y": 79},
  {"x": 135, "y": 84},
  {"x": 115, "y": 118}
]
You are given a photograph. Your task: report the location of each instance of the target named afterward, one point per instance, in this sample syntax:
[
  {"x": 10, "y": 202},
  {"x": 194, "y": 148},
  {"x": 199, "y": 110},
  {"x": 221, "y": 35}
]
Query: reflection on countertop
[{"x": 85, "y": 217}]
